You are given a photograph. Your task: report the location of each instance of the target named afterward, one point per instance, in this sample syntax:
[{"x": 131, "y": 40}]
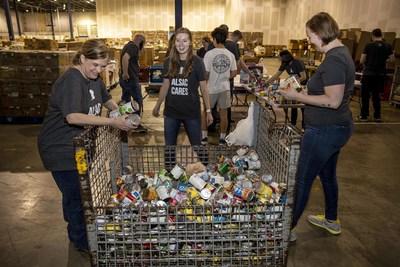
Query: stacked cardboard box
[{"x": 26, "y": 79}]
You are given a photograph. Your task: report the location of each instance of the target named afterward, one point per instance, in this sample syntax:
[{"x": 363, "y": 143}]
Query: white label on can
[
  {"x": 197, "y": 182},
  {"x": 177, "y": 171},
  {"x": 162, "y": 192}
]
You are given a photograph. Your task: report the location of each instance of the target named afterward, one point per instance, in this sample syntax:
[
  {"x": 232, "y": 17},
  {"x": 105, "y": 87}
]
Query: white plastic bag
[{"x": 244, "y": 131}]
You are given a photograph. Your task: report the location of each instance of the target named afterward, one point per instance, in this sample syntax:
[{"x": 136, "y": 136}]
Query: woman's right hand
[{"x": 122, "y": 123}]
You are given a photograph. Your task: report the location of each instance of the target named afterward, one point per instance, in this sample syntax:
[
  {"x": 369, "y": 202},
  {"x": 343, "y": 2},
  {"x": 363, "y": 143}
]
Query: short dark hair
[
  {"x": 224, "y": 26},
  {"x": 324, "y": 26},
  {"x": 219, "y": 34},
  {"x": 238, "y": 34},
  {"x": 286, "y": 56},
  {"x": 377, "y": 32}
]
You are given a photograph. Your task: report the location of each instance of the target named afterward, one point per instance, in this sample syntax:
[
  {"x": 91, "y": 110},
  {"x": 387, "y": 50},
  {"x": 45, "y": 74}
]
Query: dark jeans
[
  {"x": 131, "y": 89},
  {"x": 371, "y": 86},
  {"x": 171, "y": 131},
  {"x": 68, "y": 183},
  {"x": 320, "y": 148}
]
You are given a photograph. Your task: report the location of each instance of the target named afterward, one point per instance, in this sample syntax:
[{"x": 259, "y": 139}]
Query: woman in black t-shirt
[{"x": 294, "y": 67}]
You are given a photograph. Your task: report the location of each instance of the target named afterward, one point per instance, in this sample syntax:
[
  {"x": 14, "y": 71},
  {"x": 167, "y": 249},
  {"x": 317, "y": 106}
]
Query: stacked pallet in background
[{"x": 26, "y": 79}]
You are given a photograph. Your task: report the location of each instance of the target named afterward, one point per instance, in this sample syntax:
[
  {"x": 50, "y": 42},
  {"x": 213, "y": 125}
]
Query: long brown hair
[
  {"x": 174, "y": 60},
  {"x": 91, "y": 49}
]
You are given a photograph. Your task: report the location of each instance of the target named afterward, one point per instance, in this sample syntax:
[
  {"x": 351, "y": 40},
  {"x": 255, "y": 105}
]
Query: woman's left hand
[{"x": 289, "y": 93}]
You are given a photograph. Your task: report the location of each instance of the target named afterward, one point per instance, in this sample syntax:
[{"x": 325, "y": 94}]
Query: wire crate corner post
[{"x": 82, "y": 163}]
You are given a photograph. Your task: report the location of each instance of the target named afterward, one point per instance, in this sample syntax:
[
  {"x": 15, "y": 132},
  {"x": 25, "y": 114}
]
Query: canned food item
[
  {"x": 197, "y": 182},
  {"x": 127, "y": 108},
  {"x": 242, "y": 151},
  {"x": 177, "y": 171},
  {"x": 245, "y": 194},
  {"x": 162, "y": 192},
  {"x": 192, "y": 193},
  {"x": 133, "y": 119},
  {"x": 163, "y": 175},
  {"x": 149, "y": 194},
  {"x": 262, "y": 189},
  {"x": 205, "y": 193},
  {"x": 267, "y": 178},
  {"x": 247, "y": 184},
  {"x": 253, "y": 155},
  {"x": 228, "y": 186},
  {"x": 253, "y": 165},
  {"x": 128, "y": 169},
  {"x": 216, "y": 179},
  {"x": 224, "y": 168}
]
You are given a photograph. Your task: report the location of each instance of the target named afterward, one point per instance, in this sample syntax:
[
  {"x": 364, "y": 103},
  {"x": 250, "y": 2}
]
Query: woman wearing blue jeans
[
  {"x": 183, "y": 73},
  {"x": 328, "y": 121}
]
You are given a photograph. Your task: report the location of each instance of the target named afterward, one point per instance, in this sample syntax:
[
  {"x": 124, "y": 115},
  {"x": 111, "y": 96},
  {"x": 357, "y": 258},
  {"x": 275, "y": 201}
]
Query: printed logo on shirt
[
  {"x": 95, "y": 110},
  {"x": 179, "y": 86},
  {"x": 221, "y": 63},
  {"x": 92, "y": 94}
]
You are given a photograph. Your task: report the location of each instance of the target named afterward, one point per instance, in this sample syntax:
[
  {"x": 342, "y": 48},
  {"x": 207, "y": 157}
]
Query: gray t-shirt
[
  {"x": 71, "y": 93},
  {"x": 337, "y": 68}
]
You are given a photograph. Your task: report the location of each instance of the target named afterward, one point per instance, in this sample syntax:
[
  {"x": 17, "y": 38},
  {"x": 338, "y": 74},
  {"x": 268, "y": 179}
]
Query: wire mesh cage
[{"x": 244, "y": 233}]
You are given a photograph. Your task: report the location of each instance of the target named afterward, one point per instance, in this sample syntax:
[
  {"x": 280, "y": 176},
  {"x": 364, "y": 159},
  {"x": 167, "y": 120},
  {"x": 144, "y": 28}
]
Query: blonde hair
[{"x": 91, "y": 49}]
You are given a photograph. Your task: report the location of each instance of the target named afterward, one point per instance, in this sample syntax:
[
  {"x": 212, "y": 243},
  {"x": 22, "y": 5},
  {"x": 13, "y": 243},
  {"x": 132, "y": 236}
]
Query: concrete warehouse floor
[{"x": 33, "y": 232}]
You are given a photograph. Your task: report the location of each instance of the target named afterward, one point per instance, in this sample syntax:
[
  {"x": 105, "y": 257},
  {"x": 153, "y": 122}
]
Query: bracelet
[{"x": 208, "y": 110}]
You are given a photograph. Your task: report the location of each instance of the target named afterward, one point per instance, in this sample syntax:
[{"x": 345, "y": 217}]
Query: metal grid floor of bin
[{"x": 243, "y": 234}]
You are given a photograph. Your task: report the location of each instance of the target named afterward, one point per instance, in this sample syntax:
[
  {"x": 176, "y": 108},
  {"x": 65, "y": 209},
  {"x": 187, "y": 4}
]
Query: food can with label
[
  {"x": 262, "y": 189},
  {"x": 245, "y": 194},
  {"x": 197, "y": 182},
  {"x": 149, "y": 194},
  {"x": 242, "y": 151},
  {"x": 177, "y": 171},
  {"x": 162, "y": 192},
  {"x": 253, "y": 155},
  {"x": 205, "y": 193}
]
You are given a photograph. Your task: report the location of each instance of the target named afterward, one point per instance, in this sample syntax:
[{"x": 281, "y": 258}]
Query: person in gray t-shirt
[{"x": 76, "y": 100}]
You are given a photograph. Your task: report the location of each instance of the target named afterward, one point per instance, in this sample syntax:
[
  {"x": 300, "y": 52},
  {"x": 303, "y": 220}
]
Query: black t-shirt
[
  {"x": 133, "y": 67},
  {"x": 294, "y": 68},
  {"x": 183, "y": 99},
  {"x": 337, "y": 68},
  {"x": 71, "y": 93},
  {"x": 377, "y": 53}
]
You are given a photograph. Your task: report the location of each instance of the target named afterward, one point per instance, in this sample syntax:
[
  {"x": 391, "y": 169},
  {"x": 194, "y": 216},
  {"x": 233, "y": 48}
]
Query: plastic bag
[{"x": 244, "y": 131}]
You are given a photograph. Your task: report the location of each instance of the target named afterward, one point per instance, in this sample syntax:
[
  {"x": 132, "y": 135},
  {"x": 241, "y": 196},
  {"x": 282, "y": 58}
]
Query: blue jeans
[
  {"x": 171, "y": 131},
  {"x": 131, "y": 89},
  {"x": 320, "y": 148},
  {"x": 68, "y": 183}
]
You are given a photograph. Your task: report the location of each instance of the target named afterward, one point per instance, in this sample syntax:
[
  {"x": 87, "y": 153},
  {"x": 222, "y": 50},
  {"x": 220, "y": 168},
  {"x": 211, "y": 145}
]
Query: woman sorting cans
[
  {"x": 76, "y": 100},
  {"x": 328, "y": 121}
]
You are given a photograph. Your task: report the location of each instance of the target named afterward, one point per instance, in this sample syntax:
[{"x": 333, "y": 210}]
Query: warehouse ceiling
[{"x": 47, "y": 5}]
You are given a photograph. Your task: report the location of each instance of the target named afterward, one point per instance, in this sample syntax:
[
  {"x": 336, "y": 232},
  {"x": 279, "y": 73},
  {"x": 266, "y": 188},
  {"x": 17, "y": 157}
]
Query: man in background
[
  {"x": 374, "y": 58},
  {"x": 130, "y": 71},
  {"x": 220, "y": 65}
]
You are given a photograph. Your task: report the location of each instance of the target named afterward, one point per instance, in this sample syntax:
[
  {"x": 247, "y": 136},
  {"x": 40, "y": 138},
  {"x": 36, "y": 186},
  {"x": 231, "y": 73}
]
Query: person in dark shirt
[
  {"x": 328, "y": 122},
  {"x": 76, "y": 100},
  {"x": 293, "y": 67},
  {"x": 206, "y": 41},
  {"x": 374, "y": 58}
]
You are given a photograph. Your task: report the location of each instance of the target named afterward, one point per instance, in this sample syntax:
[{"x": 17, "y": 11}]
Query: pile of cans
[
  {"x": 224, "y": 182},
  {"x": 223, "y": 213}
]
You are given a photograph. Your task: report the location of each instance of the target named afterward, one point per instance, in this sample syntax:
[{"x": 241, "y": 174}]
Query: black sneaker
[
  {"x": 362, "y": 118},
  {"x": 222, "y": 142},
  {"x": 204, "y": 141},
  {"x": 140, "y": 129},
  {"x": 378, "y": 119}
]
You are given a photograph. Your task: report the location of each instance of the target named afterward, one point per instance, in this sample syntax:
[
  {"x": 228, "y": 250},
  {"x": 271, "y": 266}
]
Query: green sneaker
[{"x": 320, "y": 221}]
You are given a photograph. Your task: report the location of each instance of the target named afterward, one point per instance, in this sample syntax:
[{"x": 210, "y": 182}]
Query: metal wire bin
[{"x": 243, "y": 234}]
